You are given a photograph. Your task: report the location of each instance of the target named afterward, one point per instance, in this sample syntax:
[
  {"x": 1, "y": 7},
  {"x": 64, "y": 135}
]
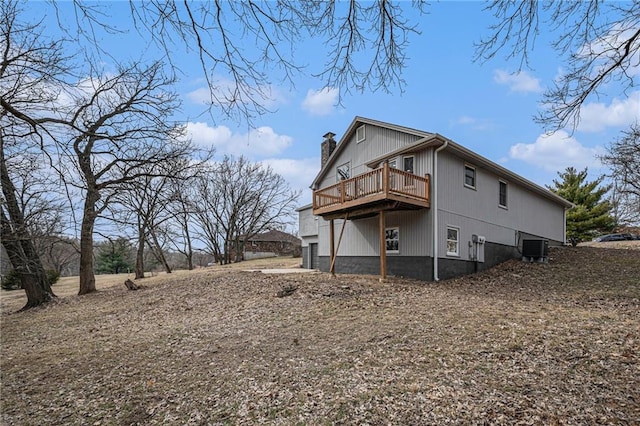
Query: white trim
[
  {"x": 506, "y": 194},
  {"x": 457, "y": 229},
  {"x": 413, "y": 163},
  {"x": 360, "y": 138},
  {"x": 475, "y": 176}
]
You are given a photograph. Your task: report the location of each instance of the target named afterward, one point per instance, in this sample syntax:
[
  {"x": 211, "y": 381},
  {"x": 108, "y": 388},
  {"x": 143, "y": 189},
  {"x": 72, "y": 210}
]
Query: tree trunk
[
  {"x": 158, "y": 253},
  {"x": 33, "y": 278},
  {"x": 18, "y": 244},
  {"x": 190, "y": 260},
  {"x": 189, "y": 253},
  {"x": 140, "y": 254},
  {"x": 87, "y": 275}
]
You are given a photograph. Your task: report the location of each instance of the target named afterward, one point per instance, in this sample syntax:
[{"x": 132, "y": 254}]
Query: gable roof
[
  {"x": 357, "y": 122},
  {"x": 275, "y": 236},
  {"x": 435, "y": 140}
]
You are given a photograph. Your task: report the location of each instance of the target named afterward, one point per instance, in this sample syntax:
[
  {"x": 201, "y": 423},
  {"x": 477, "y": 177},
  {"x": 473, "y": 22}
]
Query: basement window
[
  {"x": 453, "y": 241},
  {"x": 360, "y": 135},
  {"x": 392, "y": 239}
]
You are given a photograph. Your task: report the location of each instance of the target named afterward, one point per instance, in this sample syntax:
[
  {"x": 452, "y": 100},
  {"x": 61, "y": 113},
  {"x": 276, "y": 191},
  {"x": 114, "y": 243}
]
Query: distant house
[
  {"x": 271, "y": 244},
  {"x": 390, "y": 199}
]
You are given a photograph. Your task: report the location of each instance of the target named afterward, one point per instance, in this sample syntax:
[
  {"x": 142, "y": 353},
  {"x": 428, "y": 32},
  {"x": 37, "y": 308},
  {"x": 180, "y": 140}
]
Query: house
[
  {"x": 394, "y": 200},
  {"x": 270, "y": 244}
]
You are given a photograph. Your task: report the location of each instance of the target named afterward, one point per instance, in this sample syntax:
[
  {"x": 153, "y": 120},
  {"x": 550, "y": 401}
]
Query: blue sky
[{"x": 485, "y": 107}]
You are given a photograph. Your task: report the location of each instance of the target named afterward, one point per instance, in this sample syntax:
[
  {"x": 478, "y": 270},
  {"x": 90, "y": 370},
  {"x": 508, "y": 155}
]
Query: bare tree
[
  {"x": 599, "y": 42},
  {"x": 180, "y": 228},
  {"x": 143, "y": 204},
  {"x": 623, "y": 156},
  {"x": 122, "y": 132},
  {"x": 17, "y": 241},
  {"x": 239, "y": 199},
  {"x": 30, "y": 67},
  {"x": 247, "y": 41}
]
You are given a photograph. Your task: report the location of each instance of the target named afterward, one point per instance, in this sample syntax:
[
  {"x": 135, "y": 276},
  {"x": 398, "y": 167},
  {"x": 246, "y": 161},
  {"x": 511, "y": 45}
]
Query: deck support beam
[
  {"x": 332, "y": 248},
  {"x": 383, "y": 246},
  {"x": 333, "y": 257}
]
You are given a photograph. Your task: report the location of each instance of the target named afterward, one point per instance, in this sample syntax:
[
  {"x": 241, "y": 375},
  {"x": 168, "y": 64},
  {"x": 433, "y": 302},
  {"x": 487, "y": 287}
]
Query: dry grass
[{"x": 553, "y": 343}]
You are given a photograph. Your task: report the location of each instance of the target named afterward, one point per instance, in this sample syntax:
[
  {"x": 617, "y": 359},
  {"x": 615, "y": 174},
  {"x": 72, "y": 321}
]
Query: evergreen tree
[
  {"x": 591, "y": 215},
  {"x": 114, "y": 257}
]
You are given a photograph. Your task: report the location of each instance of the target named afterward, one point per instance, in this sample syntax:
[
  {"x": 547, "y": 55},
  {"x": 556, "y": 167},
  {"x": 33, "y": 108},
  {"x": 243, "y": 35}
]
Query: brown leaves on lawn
[{"x": 555, "y": 343}]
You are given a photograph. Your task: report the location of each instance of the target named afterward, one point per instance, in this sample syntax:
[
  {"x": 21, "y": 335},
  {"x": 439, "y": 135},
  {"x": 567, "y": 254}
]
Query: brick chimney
[{"x": 326, "y": 148}]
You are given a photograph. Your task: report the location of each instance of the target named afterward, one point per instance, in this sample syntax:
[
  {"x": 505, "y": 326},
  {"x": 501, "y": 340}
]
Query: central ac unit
[{"x": 535, "y": 250}]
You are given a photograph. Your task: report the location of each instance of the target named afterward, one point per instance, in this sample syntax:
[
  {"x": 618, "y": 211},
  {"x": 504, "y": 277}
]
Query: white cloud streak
[
  {"x": 557, "y": 151},
  {"x": 257, "y": 143},
  {"x": 321, "y": 102},
  {"x": 597, "y": 116},
  {"x": 521, "y": 82}
]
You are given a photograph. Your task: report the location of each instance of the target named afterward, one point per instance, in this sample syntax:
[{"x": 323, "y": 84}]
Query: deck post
[
  {"x": 331, "y": 248},
  {"x": 385, "y": 178},
  {"x": 383, "y": 247}
]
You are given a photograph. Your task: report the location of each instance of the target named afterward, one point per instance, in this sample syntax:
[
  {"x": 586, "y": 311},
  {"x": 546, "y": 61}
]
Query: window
[
  {"x": 502, "y": 197},
  {"x": 453, "y": 241},
  {"x": 343, "y": 172},
  {"x": 360, "y": 135},
  {"x": 392, "y": 238},
  {"x": 393, "y": 164},
  {"x": 470, "y": 177},
  {"x": 407, "y": 164}
]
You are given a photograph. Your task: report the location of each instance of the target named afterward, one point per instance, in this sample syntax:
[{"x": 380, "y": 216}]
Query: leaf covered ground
[{"x": 555, "y": 343}]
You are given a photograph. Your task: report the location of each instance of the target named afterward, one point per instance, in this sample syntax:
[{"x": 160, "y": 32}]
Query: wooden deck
[{"x": 384, "y": 188}]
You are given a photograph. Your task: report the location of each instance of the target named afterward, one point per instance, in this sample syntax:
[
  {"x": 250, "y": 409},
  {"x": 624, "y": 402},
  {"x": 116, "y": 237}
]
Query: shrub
[
  {"x": 11, "y": 281},
  {"x": 52, "y": 276}
]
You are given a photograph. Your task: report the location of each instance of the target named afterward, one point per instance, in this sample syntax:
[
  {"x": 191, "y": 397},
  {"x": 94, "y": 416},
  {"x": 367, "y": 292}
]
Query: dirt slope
[{"x": 553, "y": 343}]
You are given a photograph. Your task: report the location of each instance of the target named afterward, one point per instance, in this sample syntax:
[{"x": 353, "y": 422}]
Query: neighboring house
[
  {"x": 389, "y": 199},
  {"x": 271, "y": 244}
]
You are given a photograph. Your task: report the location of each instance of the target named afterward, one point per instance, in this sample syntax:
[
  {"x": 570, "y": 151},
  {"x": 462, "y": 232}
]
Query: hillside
[{"x": 555, "y": 343}]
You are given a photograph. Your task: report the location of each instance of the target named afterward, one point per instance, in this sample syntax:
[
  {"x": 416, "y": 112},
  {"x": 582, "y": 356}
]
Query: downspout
[
  {"x": 435, "y": 210},
  {"x": 564, "y": 226}
]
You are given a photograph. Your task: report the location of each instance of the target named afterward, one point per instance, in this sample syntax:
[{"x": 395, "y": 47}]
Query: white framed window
[
  {"x": 453, "y": 241},
  {"x": 360, "y": 134},
  {"x": 502, "y": 193},
  {"x": 407, "y": 164},
  {"x": 343, "y": 172},
  {"x": 392, "y": 240},
  {"x": 469, "y": 176}
]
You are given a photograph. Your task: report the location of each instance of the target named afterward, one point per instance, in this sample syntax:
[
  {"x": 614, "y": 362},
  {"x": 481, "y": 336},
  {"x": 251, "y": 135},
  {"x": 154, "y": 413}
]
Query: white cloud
[
  {"x": 268, "y": 96},
  {"x": 260, "y": 142},
  {"x": 321, "y": 102},
  {"x": 557, "y": 151},
  {"x": 518, "y": 82},
  {"x": 299, "y": 173},
  {"x": 474, "y": 123},
  {"x": 597, "y": 116}
]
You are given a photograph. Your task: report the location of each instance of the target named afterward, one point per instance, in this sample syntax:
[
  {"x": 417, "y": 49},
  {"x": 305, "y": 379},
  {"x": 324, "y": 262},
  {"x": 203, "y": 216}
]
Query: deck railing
[{"x": 379, "y": 182}]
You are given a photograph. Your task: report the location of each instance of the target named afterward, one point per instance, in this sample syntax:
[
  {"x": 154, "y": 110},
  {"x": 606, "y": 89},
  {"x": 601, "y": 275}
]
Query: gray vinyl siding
[
  {"x": 307, "y": 223},
  {"x": 361, "y": 237},
  {"x": 477, "y": 211},
  {"x": 378, "y": 141}
]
